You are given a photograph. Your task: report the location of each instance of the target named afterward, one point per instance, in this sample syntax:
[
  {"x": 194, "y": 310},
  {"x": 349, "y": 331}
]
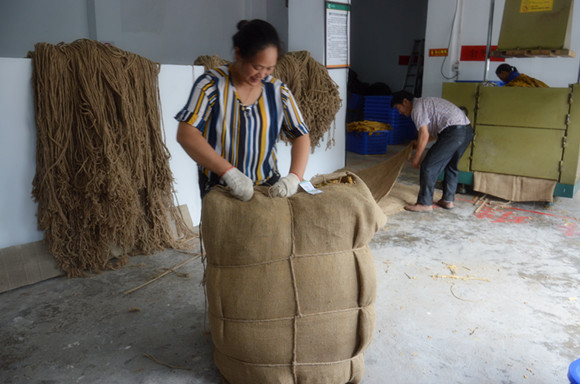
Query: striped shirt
[
  {"x": 437, "y": 114},
  {"x": 245, "y": 136}
]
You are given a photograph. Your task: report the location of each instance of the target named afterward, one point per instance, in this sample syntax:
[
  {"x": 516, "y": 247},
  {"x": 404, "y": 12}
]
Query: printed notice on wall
[
  {"x": 337, "y": 35},
  {"x": 536, "y": 6}
]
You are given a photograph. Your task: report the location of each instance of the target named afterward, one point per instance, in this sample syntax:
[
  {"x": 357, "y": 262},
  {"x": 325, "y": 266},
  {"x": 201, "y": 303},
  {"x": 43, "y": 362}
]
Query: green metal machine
[
  {"x": 521, "y": 20},
  {"x": 531, "y": 132}
]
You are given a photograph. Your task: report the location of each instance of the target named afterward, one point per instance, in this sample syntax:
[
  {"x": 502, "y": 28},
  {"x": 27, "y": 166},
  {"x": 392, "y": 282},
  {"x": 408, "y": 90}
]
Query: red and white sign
[{"x": 477, "y": 53}]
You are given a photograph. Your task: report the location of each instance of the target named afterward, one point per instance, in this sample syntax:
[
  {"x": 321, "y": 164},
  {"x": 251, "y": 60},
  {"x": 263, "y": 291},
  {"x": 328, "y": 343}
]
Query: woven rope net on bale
[
  {"x": 102, "y": 169},
  {"x": 314, "y": 90},
  {"x": 297, "y": 305}
]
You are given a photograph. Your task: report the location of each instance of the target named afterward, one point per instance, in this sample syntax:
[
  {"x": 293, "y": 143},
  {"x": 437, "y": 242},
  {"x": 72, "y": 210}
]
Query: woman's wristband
[
  {"x": 295, "y": 174},
  {"x": 227, "y": 171}
]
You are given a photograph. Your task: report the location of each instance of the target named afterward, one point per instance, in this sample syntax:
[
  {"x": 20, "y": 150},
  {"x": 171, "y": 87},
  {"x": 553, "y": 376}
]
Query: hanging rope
[
  {"x": 102, "y": 169},
  {"x": 314, "y": 90}
]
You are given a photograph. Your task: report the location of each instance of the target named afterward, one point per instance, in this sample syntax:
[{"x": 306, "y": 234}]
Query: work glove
[
  {"x": 241, "y": 186},
  {"x": 286, "y": 186}
]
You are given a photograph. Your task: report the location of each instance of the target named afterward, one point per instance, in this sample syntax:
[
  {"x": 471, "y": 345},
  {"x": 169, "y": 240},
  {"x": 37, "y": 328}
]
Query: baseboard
[
  {"x": 26, "y": 264},
  {"x": 464, "y": 177},
  {"x": 566, "y": 190}
]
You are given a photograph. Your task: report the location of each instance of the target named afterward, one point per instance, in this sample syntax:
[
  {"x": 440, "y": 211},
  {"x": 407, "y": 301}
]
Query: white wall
[
  {"x": 306, "y": 27},
  {"x": 384, "y": 30},
  {"x": 381, "y": 32},
  {"x": 24, "y": 23},
  {"x": 306, "y": 32},
  {"x": 17, "y": 154},
  {"x": 277, "y": 15},
  {"x": 324, "y": 160},
  {"x": 175, "y": 83},
  {"x": 171, "y": 31},
  {"x": 18, "y": 139},
  {"x": 556, "y": 72},
  {"x": 165, "y": 31}
]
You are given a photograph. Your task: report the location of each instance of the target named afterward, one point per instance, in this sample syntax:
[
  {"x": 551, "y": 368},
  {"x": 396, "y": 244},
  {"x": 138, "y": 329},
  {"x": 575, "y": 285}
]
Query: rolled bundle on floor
[{"x": 291, "y": 283}]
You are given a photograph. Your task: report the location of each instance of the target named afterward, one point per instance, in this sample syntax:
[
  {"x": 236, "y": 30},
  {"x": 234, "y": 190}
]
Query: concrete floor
[{"x": 464, "y": 297}]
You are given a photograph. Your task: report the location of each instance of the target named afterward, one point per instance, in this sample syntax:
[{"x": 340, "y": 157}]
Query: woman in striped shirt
[{"x": 233, "y": 117}]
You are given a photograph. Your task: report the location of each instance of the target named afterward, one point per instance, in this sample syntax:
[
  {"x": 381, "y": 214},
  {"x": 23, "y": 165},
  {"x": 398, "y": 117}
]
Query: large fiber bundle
[
  {"x": 291, "y": 283},
  {"x": 314, "y": 90},
  {"x": 209, "y": 62},
  {"x": 102, "y": 171}
]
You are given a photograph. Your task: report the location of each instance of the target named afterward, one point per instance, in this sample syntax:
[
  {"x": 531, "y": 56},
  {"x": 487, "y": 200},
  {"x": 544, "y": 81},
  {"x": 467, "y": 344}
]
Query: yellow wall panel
[
  {"x": 536, "y": 24},
  {"x": 523, "y": 107},
  {"x": 463, "y": 94},
  {"x": 570, "y": 167},
  {"x": 518, "y": 151}
]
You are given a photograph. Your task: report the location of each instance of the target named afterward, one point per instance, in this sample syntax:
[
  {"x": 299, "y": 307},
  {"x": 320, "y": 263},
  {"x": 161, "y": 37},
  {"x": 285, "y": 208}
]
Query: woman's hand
[
  {"x": 241, "y": 186},
  {"x": 286, "y": 186}
]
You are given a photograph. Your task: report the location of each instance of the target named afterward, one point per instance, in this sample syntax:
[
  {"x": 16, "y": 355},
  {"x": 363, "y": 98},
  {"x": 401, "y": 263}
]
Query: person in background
[
  {"x": 512, "y": 78},
  {"x": 441, "y": 121},
  {"x": 233, "y": 117}
]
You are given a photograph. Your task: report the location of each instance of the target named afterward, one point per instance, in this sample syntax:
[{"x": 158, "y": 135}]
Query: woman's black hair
[
  {"x": 253, "y": 36},
  {"x": 399, "y": 96},
  {"x": 505, "y": 68}
]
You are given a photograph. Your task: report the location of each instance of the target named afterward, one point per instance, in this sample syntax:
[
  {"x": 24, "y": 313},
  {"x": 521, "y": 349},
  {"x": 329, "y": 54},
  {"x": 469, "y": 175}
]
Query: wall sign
[
  {"x": 337, "y": 35},
  {"x": 536, "y": 6},
  {"x": 438, "y": 52},
  {"x": 477, "y": 53}
]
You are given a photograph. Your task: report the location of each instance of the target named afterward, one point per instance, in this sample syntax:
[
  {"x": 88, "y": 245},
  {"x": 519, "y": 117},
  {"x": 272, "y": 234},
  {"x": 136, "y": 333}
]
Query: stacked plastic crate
[
  {"x": 378, "y": 108},
  {"x": 354, "y": 107},
  {"x": 363, "y": 142},
  {"x": 367, "y": 144}
]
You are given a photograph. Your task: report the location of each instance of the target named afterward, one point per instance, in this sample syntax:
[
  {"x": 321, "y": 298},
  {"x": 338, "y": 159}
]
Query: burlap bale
[{"x": 291, "y": 283}]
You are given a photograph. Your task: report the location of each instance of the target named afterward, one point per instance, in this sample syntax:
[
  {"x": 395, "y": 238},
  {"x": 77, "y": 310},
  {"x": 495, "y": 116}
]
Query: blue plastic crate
[
  {"x": 402, "y": 133},
  {"x": 378, "y": 108},
  {"x": 365, "y": 144},
  {"x": 354, "y": 108},
  {"x": 355, "y": 101},
  {"x": 378, "y": 100}
]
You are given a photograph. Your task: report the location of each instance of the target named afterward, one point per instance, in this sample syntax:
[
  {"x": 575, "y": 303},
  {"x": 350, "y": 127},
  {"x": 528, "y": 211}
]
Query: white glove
[
  {"x": 241, "y": 186},
  {"x": 286, "y": 186}
]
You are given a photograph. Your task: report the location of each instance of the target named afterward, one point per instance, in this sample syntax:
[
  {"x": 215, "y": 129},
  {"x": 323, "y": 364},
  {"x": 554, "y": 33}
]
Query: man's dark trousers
[{"x": 444, "y": 154}]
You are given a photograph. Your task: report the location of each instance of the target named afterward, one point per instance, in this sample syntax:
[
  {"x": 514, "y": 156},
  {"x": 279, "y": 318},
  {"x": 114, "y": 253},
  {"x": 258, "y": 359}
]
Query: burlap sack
[{"x": 291, "y": 283}]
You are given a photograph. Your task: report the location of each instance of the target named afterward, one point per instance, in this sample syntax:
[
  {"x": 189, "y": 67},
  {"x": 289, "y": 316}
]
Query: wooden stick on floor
[
  {"x": 161, "y": 275},
  {"x": 483, "y": 203},
  {"x": 153, "y": 358}
]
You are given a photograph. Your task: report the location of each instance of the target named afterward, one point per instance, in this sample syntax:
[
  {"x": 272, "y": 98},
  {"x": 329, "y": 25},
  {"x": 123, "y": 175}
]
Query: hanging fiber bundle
[
  {"x": 316, "y": 93},
  {"x": 210, "y": 62},
  {"x": 314, "y": 90},
  {"x": 102, "y": 169}
]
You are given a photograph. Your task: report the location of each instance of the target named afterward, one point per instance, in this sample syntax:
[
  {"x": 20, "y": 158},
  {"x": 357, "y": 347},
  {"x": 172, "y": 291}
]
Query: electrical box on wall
[{"x": 536, "y": 25}]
